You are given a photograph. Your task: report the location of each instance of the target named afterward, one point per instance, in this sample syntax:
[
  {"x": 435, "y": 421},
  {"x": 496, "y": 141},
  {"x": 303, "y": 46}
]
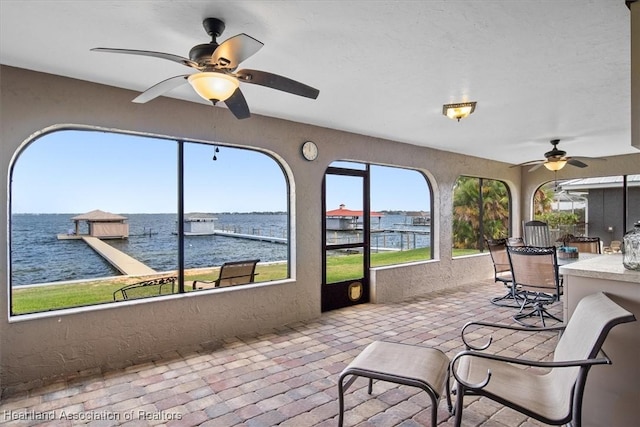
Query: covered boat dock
[{"x": 103, "y": 225}]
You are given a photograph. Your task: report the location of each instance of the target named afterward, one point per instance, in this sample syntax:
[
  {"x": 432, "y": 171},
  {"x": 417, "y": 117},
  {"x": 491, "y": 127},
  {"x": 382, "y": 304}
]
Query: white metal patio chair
[{"x": 553, "y": 395}]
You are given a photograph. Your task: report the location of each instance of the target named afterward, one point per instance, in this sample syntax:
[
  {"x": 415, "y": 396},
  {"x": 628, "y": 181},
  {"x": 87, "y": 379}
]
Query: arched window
[
  {"x": 604, "y": 207},
  {"x": 481, "y": 209},
  {"x": 403, "y": 233},
  {"x": 94, "y": 212},
  {"x": 400, "y": 219}
]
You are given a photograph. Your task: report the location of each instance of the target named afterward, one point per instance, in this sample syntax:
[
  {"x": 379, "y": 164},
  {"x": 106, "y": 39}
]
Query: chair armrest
[
  {"x": 502, "y": 326},
  {"x": 604, "y": 360},
  {"x": 160, "y": 282},
  {"x": 203, "y": 281}
]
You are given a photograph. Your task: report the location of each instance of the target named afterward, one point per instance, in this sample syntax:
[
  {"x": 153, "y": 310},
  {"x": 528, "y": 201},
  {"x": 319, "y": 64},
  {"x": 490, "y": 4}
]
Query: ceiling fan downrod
[{"x": 202, "y": 53}]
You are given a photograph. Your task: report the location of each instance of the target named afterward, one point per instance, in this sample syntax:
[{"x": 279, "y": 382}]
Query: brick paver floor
[{"x": 288, "y": 376}]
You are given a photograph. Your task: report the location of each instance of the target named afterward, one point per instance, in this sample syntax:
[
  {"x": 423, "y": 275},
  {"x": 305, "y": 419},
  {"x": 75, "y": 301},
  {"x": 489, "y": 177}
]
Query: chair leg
[
  {"x": 340, "y": 402},
  {"x": 510, "y": 295},
  {"x": 448, "y": 390},
  {"x": 459, "y": 398},
  {"x": 434, "y": 410},
  {"x": 540, "y": 311}
]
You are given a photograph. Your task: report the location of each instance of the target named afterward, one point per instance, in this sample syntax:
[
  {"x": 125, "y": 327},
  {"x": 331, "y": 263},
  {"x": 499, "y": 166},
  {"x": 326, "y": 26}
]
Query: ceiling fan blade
[
  {"x": 160, "y": 88},
  {"x": 577, "y": 163},
  {"x": 536, "y": 167},
  {"x": 275, "y": 81},
  {"x": 238, "y": 105},
  {"x": 161, "y": 55},
  {"x": 234, "y": 50},
  {"x": 589, "y": 159},
  {"x": 532, "y": 162}
]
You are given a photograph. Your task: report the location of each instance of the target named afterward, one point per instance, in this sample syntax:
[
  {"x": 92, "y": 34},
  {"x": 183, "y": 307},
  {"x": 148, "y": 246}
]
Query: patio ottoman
[{"x": 422, "y": 367}]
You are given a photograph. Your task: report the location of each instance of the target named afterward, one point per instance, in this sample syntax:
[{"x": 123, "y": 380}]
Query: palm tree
[
  {"x": 495, "y": 198},
  {"x": 467, "y": 227},
  {"x": 543, "y": 199}
]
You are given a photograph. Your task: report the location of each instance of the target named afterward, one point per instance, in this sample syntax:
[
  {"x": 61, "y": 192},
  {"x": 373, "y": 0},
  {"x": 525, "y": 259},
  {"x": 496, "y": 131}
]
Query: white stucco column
[{"x": 635, "y": 72}]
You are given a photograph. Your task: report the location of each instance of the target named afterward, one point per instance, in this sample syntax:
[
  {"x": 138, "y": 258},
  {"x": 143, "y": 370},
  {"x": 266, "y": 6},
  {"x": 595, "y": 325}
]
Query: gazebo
[{"x": 103, "y": 225}]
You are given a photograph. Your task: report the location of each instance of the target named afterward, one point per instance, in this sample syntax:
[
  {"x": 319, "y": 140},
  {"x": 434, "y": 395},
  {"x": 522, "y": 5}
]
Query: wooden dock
[
  {"x": 251, "y": 237},
  {"x": 121, "y": 261}
]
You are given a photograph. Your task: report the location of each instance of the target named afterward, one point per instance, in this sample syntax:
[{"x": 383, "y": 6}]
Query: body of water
[{"x": 37, "y": 256}]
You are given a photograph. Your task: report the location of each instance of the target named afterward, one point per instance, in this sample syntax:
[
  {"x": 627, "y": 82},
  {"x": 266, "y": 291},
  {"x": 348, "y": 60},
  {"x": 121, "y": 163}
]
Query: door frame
[{"x": 353, "y": 291}]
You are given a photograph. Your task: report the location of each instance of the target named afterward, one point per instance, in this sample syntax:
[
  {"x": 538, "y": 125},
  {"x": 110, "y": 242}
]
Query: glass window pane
[
  {"x": 633, "y": 201},
  {"x": 495, "y": 200},
  {"x": 344, "y": 265},
  {"x": 110, "y": 189},
  {"x": 563, "y": 209},
  {"x": 402, "y": 232},
  {"x": 481, "y": 209},
  {"x": 589, "y": 206},
  {"x": 344, "y": 227},
  {"x": 235, "y": 210},
  {"x": 77, "y": 195},
  {"x": 344, "y": 216}
]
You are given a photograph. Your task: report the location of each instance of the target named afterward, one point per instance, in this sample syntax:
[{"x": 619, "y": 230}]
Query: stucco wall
[
  {"x": 111, "y": 336},
  {"x": 397, "y": 283}
]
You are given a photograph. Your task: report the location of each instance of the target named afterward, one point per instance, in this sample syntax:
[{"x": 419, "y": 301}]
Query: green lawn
[{"x": 31, "y": 299}]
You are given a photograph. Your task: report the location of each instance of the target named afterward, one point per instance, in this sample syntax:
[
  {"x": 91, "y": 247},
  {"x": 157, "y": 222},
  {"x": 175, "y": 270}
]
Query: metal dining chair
[
  {"x": 535, "y": 273},
  {"x": 536, "y": 233},
  {"x": 502, "y": 273}
]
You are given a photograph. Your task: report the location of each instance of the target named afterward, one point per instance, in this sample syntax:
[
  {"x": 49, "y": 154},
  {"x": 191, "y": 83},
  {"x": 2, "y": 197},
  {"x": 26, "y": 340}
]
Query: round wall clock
[{"x": 310, "y": 150}]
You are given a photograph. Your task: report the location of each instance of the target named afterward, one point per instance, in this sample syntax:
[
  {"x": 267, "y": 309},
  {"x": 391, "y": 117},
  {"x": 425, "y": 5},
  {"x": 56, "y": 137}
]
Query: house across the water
[
  {"x": 199, "y": 224},
  {"x": 343, "y": 219},
  {"x": 419, "y": 218}
]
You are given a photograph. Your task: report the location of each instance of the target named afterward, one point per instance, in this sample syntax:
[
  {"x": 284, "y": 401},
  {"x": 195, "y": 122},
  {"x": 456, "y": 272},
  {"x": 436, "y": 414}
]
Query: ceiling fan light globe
[
  {"x": 213, "y": 86},
  {"x": 555, "y": 165}
]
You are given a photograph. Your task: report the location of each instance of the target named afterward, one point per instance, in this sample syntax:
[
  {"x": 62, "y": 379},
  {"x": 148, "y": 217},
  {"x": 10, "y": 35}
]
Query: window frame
[
  {"x": 480, "y": 233},
  {"x": 179, "y": 191}
]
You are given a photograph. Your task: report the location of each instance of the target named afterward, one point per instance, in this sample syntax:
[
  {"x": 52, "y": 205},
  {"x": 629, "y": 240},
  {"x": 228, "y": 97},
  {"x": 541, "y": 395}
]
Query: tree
[
  {"x": 543, "y": 199},
  {"x": 495, "y": 199},
  {"x": 466, "y": 211}
]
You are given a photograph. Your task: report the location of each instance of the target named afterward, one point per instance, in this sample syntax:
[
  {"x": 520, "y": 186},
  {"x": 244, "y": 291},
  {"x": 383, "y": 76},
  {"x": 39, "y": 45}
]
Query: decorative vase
[{"x": 631, "y": 248}]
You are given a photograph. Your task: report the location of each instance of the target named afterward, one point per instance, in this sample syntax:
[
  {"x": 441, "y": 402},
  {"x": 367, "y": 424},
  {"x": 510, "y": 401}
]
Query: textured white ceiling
[{"x": 539, "y": 69}]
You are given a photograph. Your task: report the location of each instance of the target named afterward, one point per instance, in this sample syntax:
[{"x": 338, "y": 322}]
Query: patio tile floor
[{"x": 288, "y": 376}]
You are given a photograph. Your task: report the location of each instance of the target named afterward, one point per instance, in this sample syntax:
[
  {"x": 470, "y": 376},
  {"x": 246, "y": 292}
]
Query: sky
[{"x": 79, "y": 171}]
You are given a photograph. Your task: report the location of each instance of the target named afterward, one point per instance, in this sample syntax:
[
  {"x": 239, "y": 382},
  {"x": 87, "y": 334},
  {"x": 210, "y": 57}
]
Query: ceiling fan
[
  {"x": 556, "y": 159},
  {"x": 217, "y": 79}
]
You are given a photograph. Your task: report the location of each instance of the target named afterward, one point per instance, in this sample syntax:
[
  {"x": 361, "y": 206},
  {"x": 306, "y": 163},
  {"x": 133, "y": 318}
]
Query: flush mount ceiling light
[
  {"x": 213, "y": 86},
  {"x": 458, "y": 111}
]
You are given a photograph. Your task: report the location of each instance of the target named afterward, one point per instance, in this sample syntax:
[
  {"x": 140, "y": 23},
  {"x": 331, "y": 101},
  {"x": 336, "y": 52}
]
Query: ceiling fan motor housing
[
  {"x": 555, "y": 154},
  {"x": 202, "y": 53}
]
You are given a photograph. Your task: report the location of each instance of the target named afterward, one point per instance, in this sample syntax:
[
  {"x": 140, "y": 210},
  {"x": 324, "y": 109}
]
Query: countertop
[{"x": 607, "y": 266}]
